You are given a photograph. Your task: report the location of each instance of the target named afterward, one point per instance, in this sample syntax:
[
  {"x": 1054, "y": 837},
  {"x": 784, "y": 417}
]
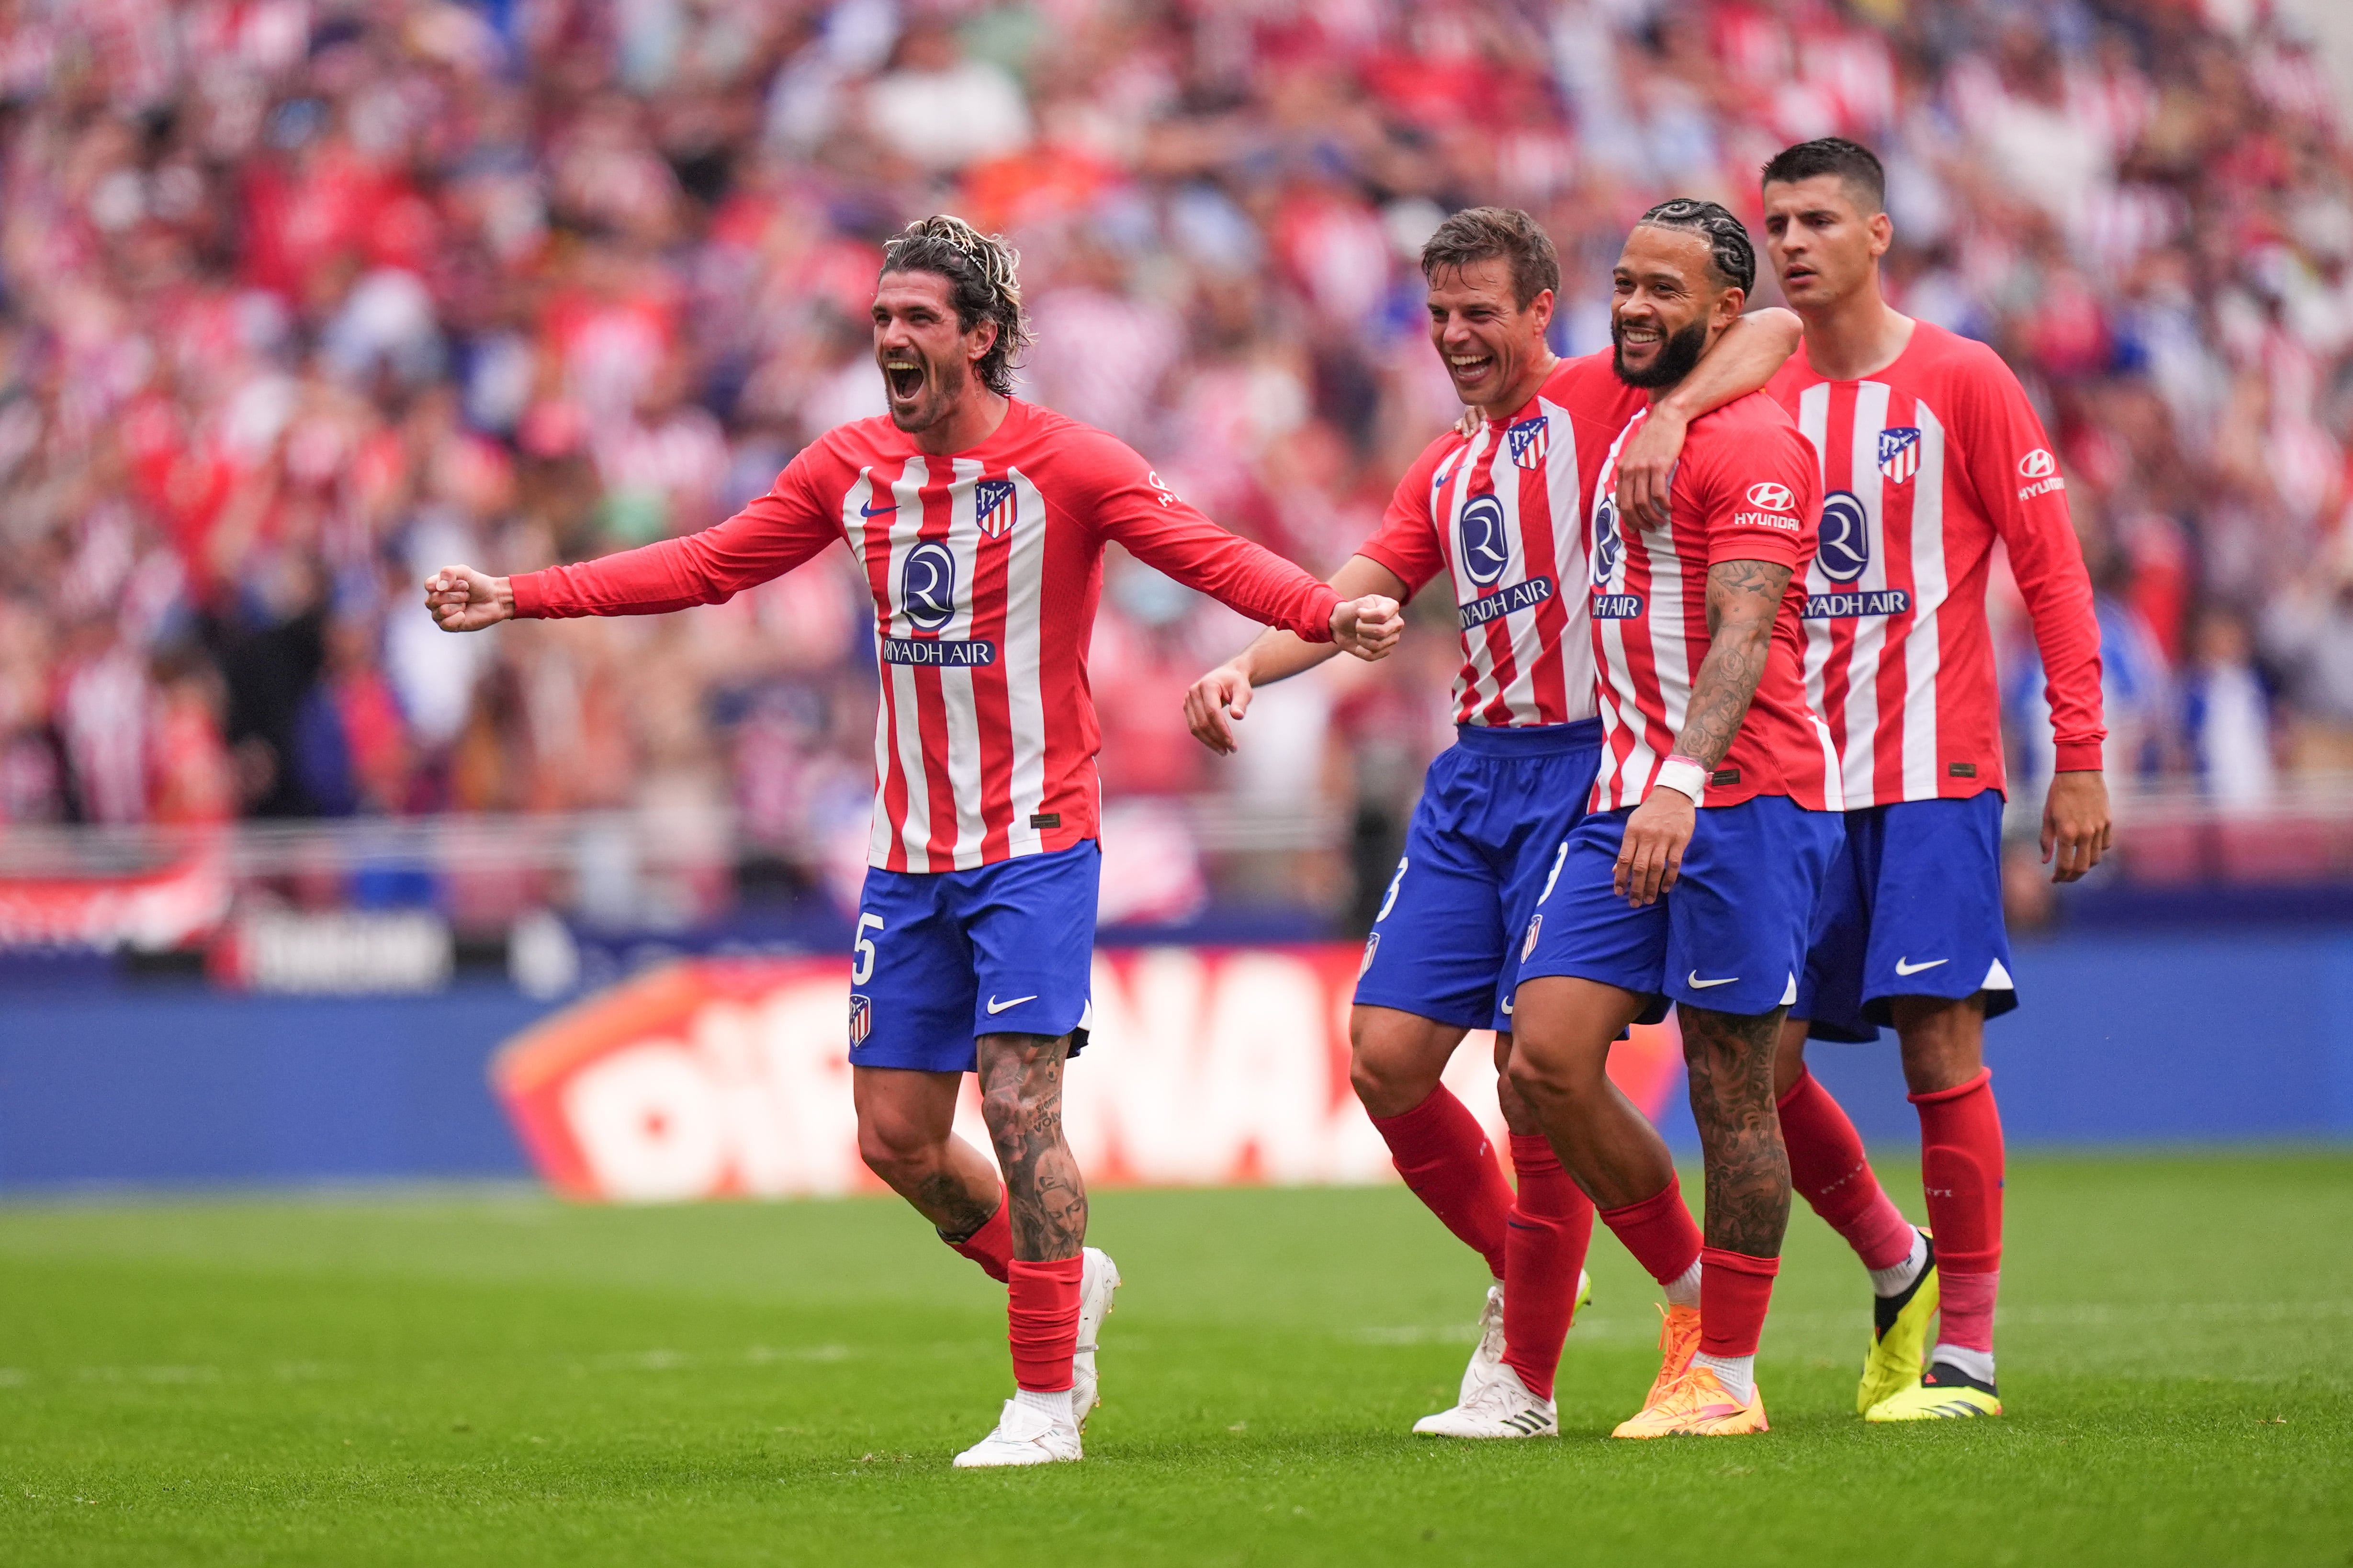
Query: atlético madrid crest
[
  {"x": 992, "y": 504},
  {"x": 1530, "y": 438},
  {"x": 861, "y": 1019},
  {"x": 1899, "y": 453}
]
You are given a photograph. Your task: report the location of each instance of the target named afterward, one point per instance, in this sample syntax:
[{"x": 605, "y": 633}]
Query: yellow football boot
[
  {"x": 1698, "y": 1405},
  {"x": 1941, "y": 1395},
  {"x": 1899, "y": 1337}
]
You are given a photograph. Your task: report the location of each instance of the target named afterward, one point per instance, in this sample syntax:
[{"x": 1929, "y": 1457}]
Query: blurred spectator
[{"x": 300, "y": 298}]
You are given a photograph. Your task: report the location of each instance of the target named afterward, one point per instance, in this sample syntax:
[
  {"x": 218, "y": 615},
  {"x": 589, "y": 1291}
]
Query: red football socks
[
  {"x": 1658, "y": 1231},
  {"x": 1042, "y": 1310},
  {"x": 1444, "y": 1156},
  {"x": 1828, "y": 1169},
  {"x": 1544, "y": 1241},
  {"x": 1960, "y": 1166},
  {"x": 1733, "y": 1292},
  {"x": 991, "y": 1246}
]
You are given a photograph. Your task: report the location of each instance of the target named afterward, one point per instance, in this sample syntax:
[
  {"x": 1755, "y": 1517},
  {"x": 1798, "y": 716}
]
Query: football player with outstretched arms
[
  {"x": 979, "y": 522},
  {"x": 1498, "y": 507},
  {"x": 1930, "y": 453}
]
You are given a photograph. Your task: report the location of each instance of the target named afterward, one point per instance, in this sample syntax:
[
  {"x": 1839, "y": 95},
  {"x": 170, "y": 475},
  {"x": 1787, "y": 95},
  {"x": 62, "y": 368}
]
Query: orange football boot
[
  {"x": 1678, "y": 1343},
  {"x": 1696, "y": 1405}
]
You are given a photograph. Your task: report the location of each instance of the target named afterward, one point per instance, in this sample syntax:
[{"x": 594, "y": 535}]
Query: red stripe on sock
[
  {"x": 1658, "y": 1231},
  {"x": 1444, "y": 1154},
  {"x": 1042, "y": 1315},
  {"x": 1545, "y": 1242},
  {"x": 1735, "y": 1290},
  {"x": 991, "y": 1246},
  {"x": 1828, "y": 1168},
  {"x": 1965, "y": 1312},
  {"x": 1961, "y": 1167}
]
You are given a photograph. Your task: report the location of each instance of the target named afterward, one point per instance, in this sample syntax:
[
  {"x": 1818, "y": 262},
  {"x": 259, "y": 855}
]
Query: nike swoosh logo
[
  {"x": 995, "y": 1006},
  {"x": 870, "y": 510},
  {"x": 1698, "y": 985},
  {"x": 1507, "y": 1005},
  {"x": 1904, "y": 968}
]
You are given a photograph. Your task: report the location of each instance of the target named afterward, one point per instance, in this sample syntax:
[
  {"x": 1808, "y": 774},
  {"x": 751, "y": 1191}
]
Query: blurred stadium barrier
[{"x": 1209, "y": 1065}]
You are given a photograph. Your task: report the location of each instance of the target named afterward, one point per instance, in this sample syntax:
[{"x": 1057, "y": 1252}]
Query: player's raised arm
[
  {"x": 2010, "y": 465},
  {"x": 1134, "y": 505},
  {"x": 1219, "y": 699},
  {"x": 1741, "y": 361},
  {"x": 767, "y": 539}
]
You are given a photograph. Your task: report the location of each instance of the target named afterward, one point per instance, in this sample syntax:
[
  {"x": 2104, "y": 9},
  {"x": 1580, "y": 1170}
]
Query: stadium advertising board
[{"x": 730, "y": 1078}]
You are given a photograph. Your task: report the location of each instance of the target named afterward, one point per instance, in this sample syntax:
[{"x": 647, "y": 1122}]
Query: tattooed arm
[{"x": 1743, "y": 598}]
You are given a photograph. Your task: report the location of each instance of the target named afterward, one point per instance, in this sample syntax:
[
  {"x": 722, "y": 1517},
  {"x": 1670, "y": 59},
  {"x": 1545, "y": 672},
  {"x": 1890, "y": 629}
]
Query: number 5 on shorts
[{"x": 861, "y": 968}]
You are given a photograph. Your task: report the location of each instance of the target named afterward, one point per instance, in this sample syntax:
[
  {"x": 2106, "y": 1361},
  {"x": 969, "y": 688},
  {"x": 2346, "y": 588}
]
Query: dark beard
[{"x": 1677, "y": 355}]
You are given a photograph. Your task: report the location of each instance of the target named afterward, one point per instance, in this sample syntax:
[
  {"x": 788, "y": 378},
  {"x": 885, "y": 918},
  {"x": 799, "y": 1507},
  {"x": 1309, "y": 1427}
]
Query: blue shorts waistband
[{"x": 1528, "y": 740}]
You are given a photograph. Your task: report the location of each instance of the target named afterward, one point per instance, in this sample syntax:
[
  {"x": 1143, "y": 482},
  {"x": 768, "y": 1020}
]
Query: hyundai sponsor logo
[
  {"x": 2037, "y": 464},
  {"x": 1772, "y": 498}
]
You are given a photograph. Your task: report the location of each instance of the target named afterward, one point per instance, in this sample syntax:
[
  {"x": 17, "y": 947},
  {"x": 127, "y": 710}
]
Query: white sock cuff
[
  {"x": 1682, "y": 1291},
  {"x": 1057, "y": 1404},
  {"x": 1898, "y": 1278},
  {"x": 1737, "y": 1373},
  {"x": 1977, "y": 1364}
]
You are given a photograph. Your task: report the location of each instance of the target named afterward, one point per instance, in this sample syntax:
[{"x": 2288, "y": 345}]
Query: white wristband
[{"x": 1684, "y": 777}]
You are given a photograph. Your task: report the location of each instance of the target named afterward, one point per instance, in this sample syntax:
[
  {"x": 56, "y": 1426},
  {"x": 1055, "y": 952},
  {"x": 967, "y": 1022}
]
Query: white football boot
[
  {"x": 1488, "y": 1354},
  {"x": 1500, "y": 1407},
  {"x": 1023, "y": 1437},
  {"x": 1098, "y": 1283}
]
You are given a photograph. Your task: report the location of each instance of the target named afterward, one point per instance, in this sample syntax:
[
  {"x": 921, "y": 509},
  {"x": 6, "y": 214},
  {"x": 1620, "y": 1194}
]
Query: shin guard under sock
[
  {"x": 1444, "y": 1154},
  {"x": 1546, "y": 1234},
  {"x": 1658, "y": 1231},
  {"x": 1828, "y": 1169}
]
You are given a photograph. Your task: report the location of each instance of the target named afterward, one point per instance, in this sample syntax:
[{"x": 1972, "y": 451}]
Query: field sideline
[{"x": 495, "y": 1378}]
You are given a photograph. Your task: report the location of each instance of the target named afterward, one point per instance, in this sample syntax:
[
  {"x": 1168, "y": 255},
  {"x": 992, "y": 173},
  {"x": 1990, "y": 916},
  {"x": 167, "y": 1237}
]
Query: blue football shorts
[
  {"x": 1912, "y": 908},
  {"x": 944, "y": 957},
  {"x": 1493, "y": 811},
  {"x": 1730, "y": 935}
]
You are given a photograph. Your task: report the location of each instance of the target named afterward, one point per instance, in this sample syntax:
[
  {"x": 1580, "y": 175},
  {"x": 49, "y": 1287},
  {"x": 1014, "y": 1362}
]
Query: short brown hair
[{"x": 1483, "y": 234}]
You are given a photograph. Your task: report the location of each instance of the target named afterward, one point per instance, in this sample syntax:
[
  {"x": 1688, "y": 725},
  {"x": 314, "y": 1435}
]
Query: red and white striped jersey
[
  {"x": 1514, "y": 497},
  {"x": 1744, "y": 490},
  {"x": 986, "y": 567},
  {"x": 1922, "y": 467}
]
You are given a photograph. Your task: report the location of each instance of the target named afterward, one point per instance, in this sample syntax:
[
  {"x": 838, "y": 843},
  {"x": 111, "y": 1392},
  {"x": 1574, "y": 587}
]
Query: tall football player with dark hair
[
  {"x": 1930, "y": 452},
  {"x": 979, "y": 521}
]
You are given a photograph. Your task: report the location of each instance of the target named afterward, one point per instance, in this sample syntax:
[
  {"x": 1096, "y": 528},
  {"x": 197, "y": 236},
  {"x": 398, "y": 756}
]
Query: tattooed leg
[
  {"x": 1022, "y": 1100},
  {"x": 1731, "y": 1060},
  {"x": 905, "y": 1122}
]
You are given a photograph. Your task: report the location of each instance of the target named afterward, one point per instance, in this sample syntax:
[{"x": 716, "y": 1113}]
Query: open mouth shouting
[{"x": 903, "y": 374}]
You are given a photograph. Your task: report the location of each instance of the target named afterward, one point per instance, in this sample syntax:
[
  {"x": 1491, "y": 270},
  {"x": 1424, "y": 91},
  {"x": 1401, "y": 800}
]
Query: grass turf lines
[{"x": 499, "y": 1379}]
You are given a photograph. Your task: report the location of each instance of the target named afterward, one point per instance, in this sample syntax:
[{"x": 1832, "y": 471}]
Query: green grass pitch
[{"x": 495, "y": 1378}]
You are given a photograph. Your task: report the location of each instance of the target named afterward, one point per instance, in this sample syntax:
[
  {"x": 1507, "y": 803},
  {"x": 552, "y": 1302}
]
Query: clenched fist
[{"x": 465, "y": 600}]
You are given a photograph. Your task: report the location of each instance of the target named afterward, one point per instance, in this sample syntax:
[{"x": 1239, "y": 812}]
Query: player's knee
[
  {"x": 895, "y": 1149},
  {"x": 1382, "y": 1088},
  {"x": 1538, "y": 1078}
]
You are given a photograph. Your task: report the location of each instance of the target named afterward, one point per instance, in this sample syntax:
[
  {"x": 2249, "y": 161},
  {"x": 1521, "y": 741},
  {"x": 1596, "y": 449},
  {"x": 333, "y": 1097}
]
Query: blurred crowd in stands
[{"x": 301, "y": 299}]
